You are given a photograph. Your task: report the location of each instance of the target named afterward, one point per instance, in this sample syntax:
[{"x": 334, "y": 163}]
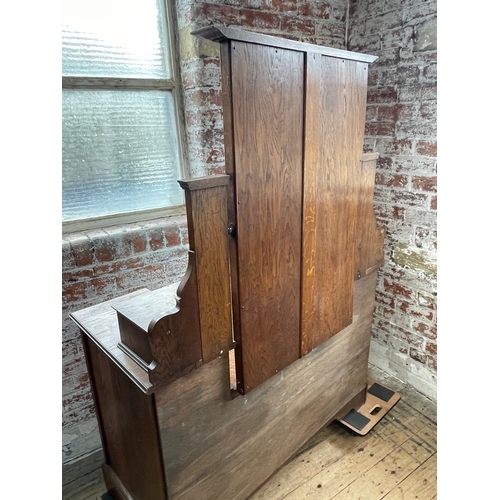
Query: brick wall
[
  {"x": 99, "y": 265},
  {"x": 320, "y": 22},
  {"x": 401, "y": 126},
  {"x": 102, "y": 264}
]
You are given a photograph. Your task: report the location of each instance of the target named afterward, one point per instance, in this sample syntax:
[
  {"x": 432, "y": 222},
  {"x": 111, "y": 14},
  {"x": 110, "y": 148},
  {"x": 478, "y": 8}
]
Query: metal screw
[{"x": 168, "y": 332}]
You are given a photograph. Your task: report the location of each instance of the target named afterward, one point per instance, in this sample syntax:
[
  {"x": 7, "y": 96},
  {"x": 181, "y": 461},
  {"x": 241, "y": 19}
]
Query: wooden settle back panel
[{"x": 294, "y": 117}]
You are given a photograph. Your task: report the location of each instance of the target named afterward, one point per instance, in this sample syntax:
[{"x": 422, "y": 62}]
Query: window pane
[
  {"x": 120, "y": 152},
  {"x": 125, "y": 38}
]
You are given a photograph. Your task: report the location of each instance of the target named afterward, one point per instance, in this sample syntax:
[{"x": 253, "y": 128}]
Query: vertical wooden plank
[
  {"x": 267, "y": 89},
  {"x": 311, "y": 166},
  {"x": 341, "y": 121},
  {"x": 227, "y": 109},
  {"x": 206, "y": 200}
]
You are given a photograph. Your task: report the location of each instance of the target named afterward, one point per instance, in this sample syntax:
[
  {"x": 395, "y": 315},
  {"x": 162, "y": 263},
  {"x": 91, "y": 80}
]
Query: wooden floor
[{"x": 395, "y": 461}]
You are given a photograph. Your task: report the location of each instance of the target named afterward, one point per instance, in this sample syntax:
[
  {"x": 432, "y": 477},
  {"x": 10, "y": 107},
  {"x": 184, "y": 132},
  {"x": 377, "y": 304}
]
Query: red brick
[
  {"x": 156, "y": 239},
  {"x": 424, "y": 183},
  {"x": 426, "y": 330},
  {"x": 380, "y": 95},
  {"x": 384, "y": 163},
  {"x": 74, "y": 292},
  {"x": 77, "y": 275},
  {"x": 434, "y": 201},
  {"x": 426, "y": 148},
  {"x": 139, "y": 242},
  {"x": 431, "y": 348},
  {"x": 104, "y": 250},
  {"x": 82, "y": 250},
  {"x": 384, "y": 211},
  {"x": 398, "y": 333},
  {"x": 280, "y": 5},
  {"x": 316, "y": 9},
  {"x": 79, "y": 416},
  {"x": 379, "y": 128},
  {"x": 385, "y": 299},
  {"x": 304, "y": 26},
  {"x": 200, "y": 98},
  {"x": 83, "y": 397},
  {"x": 116, "y": 267},
  {"x": 409, "y": 198},
  {"x": 221, "y": 13},
  {"x": 391, "y": 180},
  {"x": 259, "y": 19},
  {"x": 409, "y": 308},
  {"x": 74, "y": 366},
  {"x": 394, "y": 112},
  {"x": 172, "y": 236},
  {"x": 397, "y": 289}
]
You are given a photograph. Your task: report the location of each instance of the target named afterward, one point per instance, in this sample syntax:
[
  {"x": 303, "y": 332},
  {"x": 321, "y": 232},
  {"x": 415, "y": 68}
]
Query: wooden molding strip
[
  {"x": 217, "y": 33},
  {"x": 206, "y": 182}
]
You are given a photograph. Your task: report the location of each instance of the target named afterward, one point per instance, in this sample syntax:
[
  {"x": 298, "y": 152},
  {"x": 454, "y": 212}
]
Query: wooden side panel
[
  {"x": 341, "y": 116},
  {"x": 128, "y": 426},
  {"x": 370, "y": 238},
  {"x": 227, "y": 108},
  {"x": 218, "y": 448},
  {"x": 206, "y": 200},
  {"x": 267, "y": 89}
]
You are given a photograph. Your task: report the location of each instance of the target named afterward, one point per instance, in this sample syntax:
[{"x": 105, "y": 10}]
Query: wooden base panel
[{"x": 218, "y": 448}]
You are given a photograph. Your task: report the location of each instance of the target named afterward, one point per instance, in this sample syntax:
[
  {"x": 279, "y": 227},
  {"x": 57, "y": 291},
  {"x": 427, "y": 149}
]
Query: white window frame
[{"x": 172, "y": 85}]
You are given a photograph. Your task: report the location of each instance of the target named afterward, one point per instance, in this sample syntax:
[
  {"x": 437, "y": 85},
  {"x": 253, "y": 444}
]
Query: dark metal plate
[
  {"x": 356, "y": 419},
  {"x": 381, "y": 392}
]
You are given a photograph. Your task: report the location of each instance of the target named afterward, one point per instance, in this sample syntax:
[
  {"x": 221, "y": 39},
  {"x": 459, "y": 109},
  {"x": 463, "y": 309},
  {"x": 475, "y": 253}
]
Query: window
[{"x": 121, "y": 139}]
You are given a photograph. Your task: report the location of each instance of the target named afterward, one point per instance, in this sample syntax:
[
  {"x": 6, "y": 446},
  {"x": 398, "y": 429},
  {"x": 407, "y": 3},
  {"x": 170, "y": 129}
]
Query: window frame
[{"x": 173, "y": 85}]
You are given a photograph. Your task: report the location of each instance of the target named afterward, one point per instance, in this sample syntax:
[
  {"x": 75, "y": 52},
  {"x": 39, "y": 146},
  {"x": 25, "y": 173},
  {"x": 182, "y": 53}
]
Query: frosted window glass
[
  {"x": 110, "y": 38},
  {"x": 120, "y": 152}
]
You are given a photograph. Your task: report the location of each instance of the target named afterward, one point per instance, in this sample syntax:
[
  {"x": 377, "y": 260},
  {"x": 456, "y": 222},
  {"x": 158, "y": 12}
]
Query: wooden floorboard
[{"x": 396, "y": 460}]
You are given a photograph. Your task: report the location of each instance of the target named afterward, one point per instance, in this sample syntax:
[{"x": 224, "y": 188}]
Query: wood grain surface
[
  {"x": 218, "y": 448},
  {"x": 100, "y": 324},
  {"x": 206, "y": 206},
  {"x": 267, "y": 89},
  {"x": 128, "y": 426},
  {"x": 370, "y": 236},
  {"x": 341, "y": 115},
  {"x": 219, "y": 33}
]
